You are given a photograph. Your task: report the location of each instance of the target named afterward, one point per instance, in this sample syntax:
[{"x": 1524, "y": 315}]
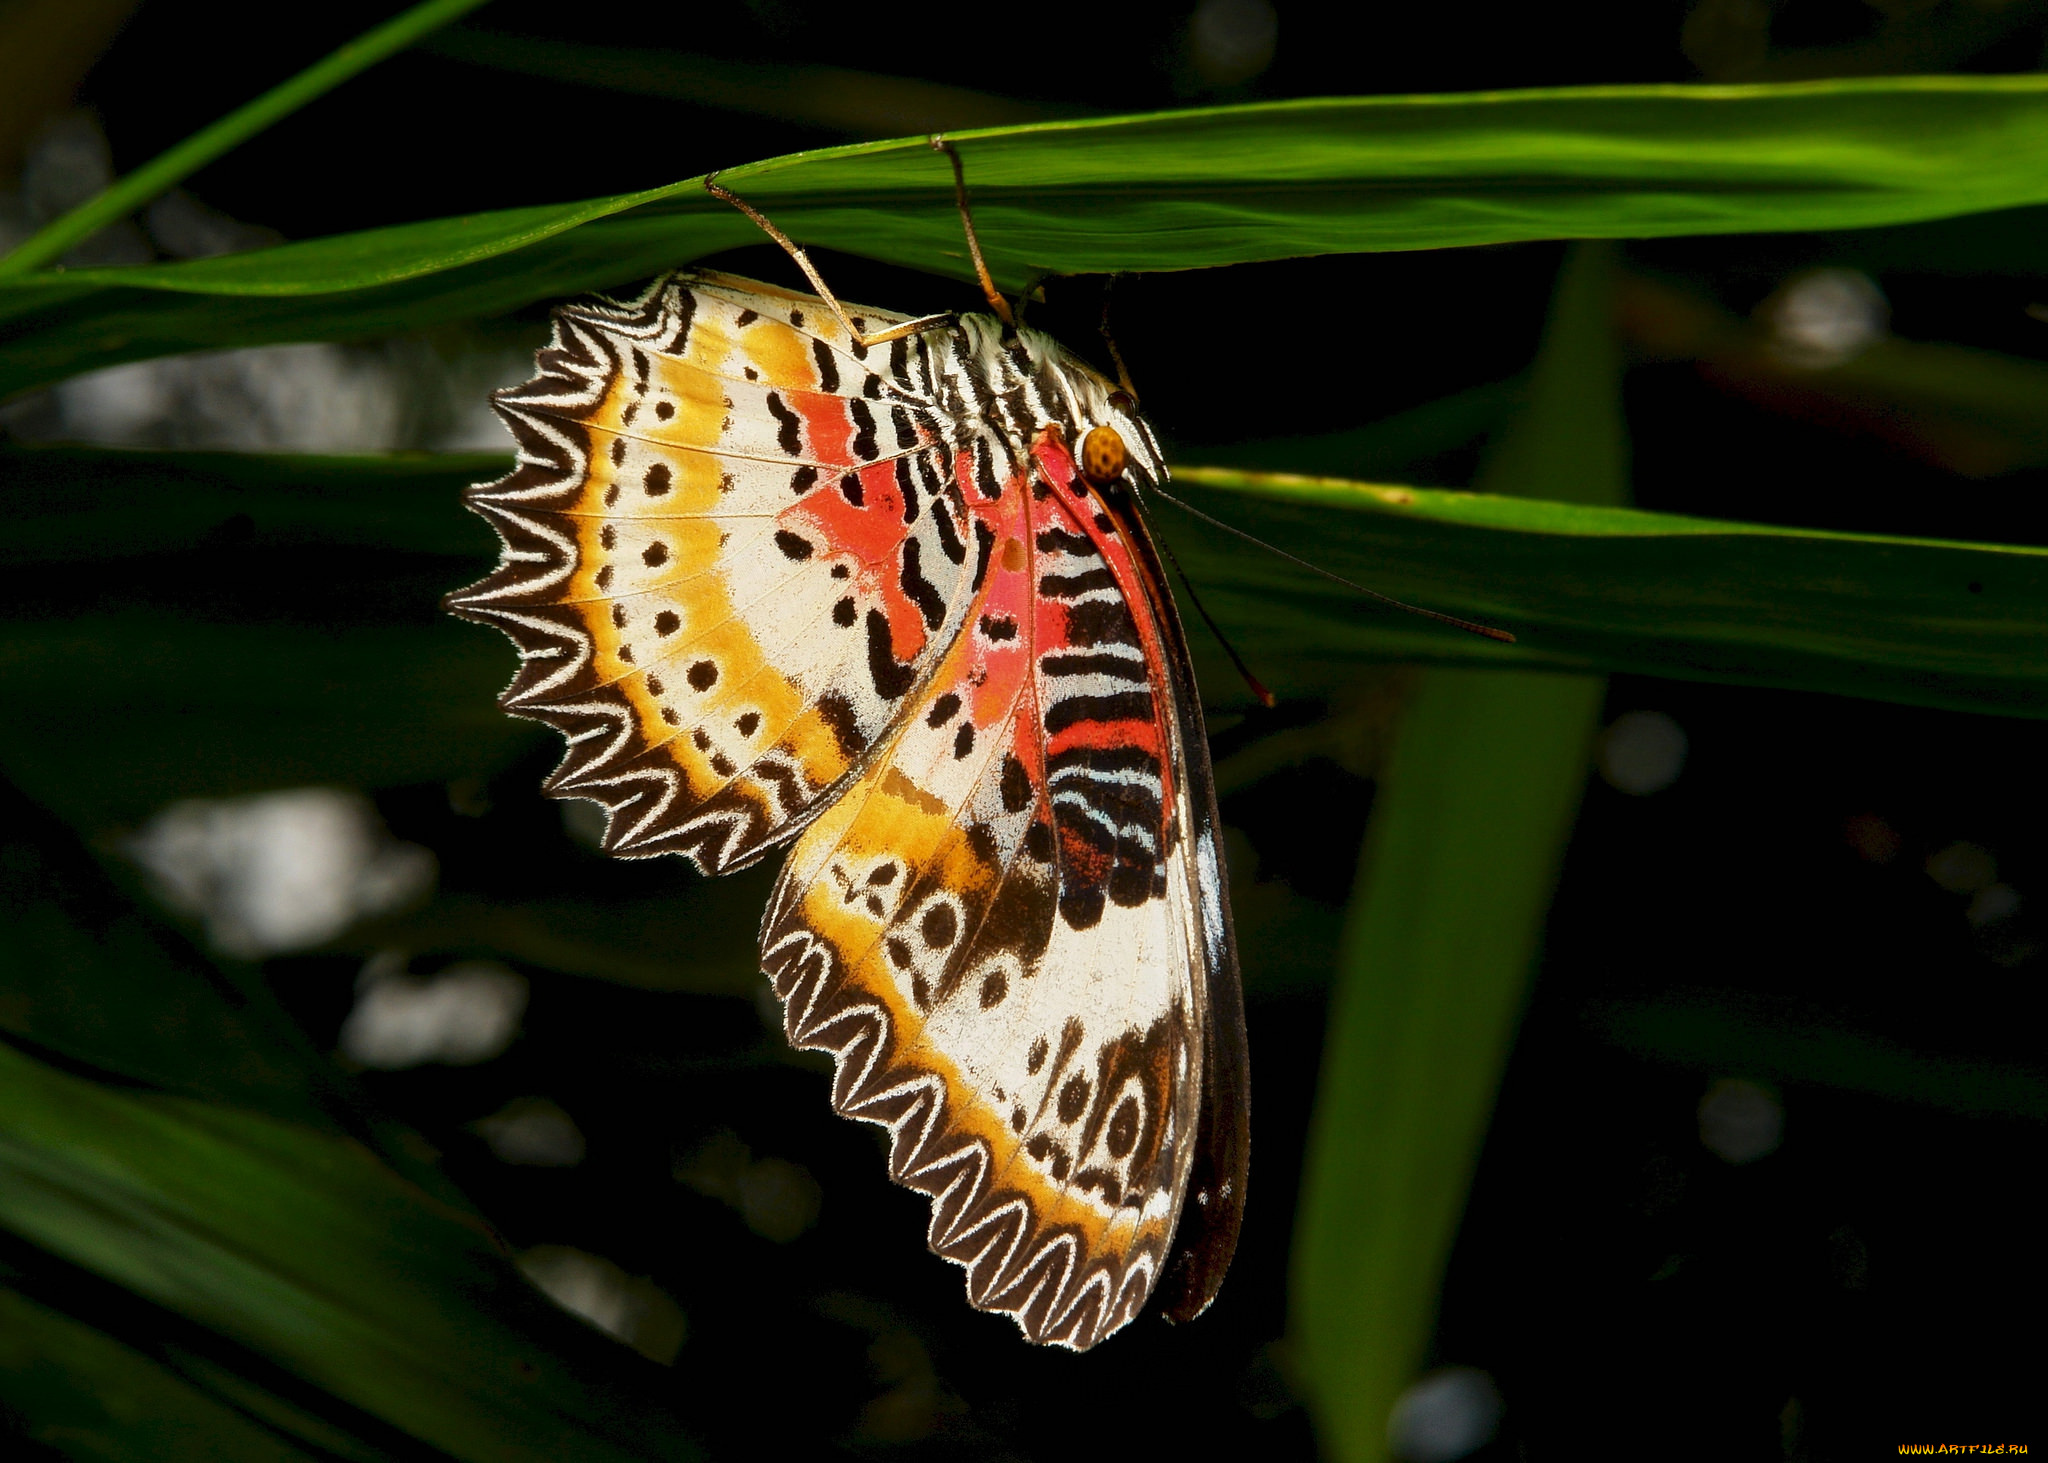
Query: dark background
[{"x": 1769, "y": 916}]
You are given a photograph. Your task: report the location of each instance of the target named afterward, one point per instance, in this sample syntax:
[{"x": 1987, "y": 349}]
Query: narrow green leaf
[
  {"x": 1178, "y": 190},
  {"x": 303, "y": 1250},
  {"x": 195, "y": 152},
  {"x": 1471, "y": 813},
  {"x": 1717, "y": 1034},
  {"x": 85, "y": 1394},
  {"x": 1468, "y": 828}
]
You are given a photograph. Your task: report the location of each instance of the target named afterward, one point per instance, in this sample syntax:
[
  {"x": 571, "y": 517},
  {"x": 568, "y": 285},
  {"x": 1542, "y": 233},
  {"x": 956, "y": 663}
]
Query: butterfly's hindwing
[{"x": 775, "y": 586}]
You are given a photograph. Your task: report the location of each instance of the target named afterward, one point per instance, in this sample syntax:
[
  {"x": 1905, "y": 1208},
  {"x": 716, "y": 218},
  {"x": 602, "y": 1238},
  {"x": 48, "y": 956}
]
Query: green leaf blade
[
  {"x": 1468, "y": 830},
  {"x": 307, "y": 1251},
  {"x": 1178, "y": 190},
  {"x": 1593, "y": 587}
]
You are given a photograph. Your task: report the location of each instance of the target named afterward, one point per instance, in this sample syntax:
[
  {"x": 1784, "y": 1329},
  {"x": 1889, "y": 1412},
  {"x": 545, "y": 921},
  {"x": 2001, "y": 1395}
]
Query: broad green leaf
[
  {"x": 242, "y": 708},
  {"x": 1931, "y": 622},
  {"x": 1468, "y": 828},
  {"x": 1177, "y": 190},
  {"x": 303, "y": 1250}
]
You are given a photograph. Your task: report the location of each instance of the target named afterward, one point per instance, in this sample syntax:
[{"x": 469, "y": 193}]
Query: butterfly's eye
[{"x": 1102, "y": 457}]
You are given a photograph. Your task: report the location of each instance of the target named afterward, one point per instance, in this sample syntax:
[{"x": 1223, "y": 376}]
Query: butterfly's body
[{"x": 780, "y": 588}]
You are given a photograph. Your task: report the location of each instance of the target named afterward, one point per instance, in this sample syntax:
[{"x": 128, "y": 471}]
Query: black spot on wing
[
  {"x": 837, "y": 714},
  {"x": 919, "y": 589},
  {"x": 1015, "y": 786},
  {"x": 985, "y": 480},
  {"x": 949, "y": 536},
  {"x": 828, "y": 366},
  {"x": 863, "y": 429},
  {"x": 890, "y": 676},
  {"x": 1116, "y": 706},
  {"x": 1059, "y": 541},
  {"x": 1073, "y": 586},
  {"x": 984, "y": 543},
  {"x": 907, "y": 489},
  {"x": 1101, "y": 622},
  {"x": 788, "y": 425}
]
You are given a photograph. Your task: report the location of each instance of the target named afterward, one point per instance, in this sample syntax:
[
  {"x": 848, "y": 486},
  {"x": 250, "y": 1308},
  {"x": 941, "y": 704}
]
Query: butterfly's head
[{"x": 1103, "y": 457}]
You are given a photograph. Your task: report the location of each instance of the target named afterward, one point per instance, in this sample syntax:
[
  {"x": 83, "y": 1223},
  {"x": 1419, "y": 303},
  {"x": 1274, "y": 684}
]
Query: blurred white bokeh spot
[
  {"x": 1231, "y": 41},
  {"x": 388, "y": 396},
  {"x": 1741, "y": 1121},
  {"x": 777, "y": 1199},
  {"x": 1963, "y": 868},
  {"x": 1993, "y": 903},
  {"x": 1448, "y": 1414},
  {"x": 630, "y": 1307},
  {"x": 279, "y": 871},
  {"x": 1642, "y": 752},
  {"x": 1824, "y": 317},
  {"x": 533, "y": 1132},
  {"x": 468, "y": 1013}
]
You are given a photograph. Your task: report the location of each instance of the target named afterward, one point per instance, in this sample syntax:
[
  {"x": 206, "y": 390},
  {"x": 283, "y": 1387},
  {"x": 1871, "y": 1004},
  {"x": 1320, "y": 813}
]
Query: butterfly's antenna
[
  {"x": 803, "y": 262},
  {"x": 1123, "y": 372},
  {"x": 1471, "y": 627},
  {"x": 1258, "y": 687},
  {"x": 996, "y": 302}
]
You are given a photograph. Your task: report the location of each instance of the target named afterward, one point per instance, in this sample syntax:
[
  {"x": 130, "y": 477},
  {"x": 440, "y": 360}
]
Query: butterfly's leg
[
  {"x": 988, "y": 285},
  {"x": 803, "y": 262}
]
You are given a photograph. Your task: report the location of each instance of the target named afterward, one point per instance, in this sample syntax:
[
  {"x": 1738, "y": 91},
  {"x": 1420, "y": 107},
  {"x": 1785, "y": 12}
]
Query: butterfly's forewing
[
  {"x": 724, "y": 565},
  {"x": 958, "y": 676}
]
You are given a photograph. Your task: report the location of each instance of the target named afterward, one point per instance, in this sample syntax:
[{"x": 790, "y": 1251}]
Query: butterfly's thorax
[{"x": 784, "y": 589}]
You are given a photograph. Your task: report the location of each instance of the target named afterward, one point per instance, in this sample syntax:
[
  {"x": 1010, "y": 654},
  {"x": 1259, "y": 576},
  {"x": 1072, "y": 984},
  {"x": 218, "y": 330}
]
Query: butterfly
[{"x": 785, "y": 581}]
